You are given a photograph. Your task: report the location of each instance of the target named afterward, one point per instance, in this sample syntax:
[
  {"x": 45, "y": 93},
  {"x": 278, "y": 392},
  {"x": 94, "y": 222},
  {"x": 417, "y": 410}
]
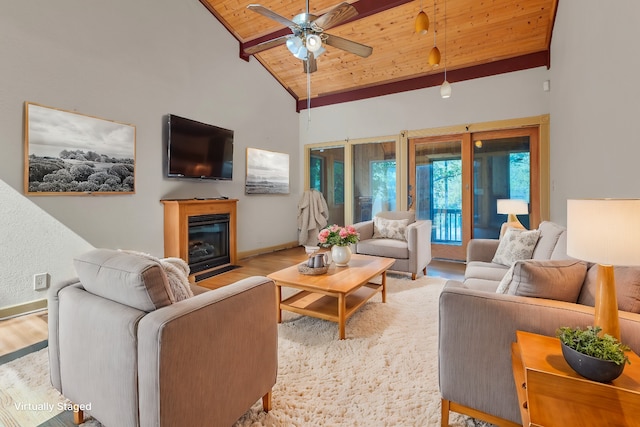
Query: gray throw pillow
[
  {"x": 627, "y": 287},
  {"x": 516, "y": 245},
  {"x": 559, "y": 280},
  {"x": 124, "y": 278}
]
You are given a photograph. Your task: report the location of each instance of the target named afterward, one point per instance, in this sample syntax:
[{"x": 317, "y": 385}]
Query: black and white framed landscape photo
[
  {"x": 267, "y": 172},
  {"x": 68, "y": 153}
]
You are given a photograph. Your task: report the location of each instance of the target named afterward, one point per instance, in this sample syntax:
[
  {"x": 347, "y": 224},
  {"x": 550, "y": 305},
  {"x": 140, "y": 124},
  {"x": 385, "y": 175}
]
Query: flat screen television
[{"x": 198, "y": 150}]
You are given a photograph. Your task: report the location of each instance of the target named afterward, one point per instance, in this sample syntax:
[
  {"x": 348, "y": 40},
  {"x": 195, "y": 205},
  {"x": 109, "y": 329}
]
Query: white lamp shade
[
  {"x": 512, "y": 206},
  {"x": 302, "y": 53},
  {"x": 294, "y": 44},
  {"x": 314, "y": 42},
  {"x": 445, "y": 89},
  {"x": 604, "y": 231}
]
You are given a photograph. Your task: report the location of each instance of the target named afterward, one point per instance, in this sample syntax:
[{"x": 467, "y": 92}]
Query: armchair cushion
[
  {"x": 516, "y": 245},
  {"x": 124, "y": 278},
  {"x": 390, "y": 228},
  {"x": 389, "y": 248}
]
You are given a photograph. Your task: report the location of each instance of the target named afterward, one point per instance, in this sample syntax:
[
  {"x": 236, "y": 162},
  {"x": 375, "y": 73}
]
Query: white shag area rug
[
  {"x": 384, "y": 374},
  {"x": 26, "y": 395}
]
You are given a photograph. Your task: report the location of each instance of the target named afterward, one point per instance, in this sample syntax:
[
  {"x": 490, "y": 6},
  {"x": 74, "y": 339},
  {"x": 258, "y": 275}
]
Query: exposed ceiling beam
[{"x": 518, "y": 63}]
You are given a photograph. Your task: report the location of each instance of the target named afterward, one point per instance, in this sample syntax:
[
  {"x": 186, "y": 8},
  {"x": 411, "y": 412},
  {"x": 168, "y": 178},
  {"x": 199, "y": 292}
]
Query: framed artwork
[
  {"x": 267, "y": 172},
  {"x": 67, "y": 153}
]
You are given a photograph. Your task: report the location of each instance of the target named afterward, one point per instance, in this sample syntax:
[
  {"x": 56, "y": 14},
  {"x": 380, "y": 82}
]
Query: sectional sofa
[{"x": 478, "y": 324}]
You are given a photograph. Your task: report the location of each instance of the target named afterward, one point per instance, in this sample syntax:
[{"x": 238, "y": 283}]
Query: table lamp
[
  {"x": 512, "y": 207},
  {"x": 605, "y": 232}
]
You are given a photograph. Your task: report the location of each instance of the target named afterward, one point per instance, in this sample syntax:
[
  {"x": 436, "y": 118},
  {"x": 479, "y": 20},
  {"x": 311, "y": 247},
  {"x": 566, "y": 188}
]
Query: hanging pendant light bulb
[
  {"x": 445, "y": 89},
  {"x": 422, "y": 21},
  {"x": 434, "y": 54},
  {"x": 313, "y": 43}
]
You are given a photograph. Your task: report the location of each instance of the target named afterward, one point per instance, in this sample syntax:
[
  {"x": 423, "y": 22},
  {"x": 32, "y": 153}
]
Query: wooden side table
[{"x": 552, "y": 394}]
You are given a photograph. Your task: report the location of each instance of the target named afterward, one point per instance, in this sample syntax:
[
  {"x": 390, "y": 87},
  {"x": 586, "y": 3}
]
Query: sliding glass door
[
  {"x": 502, "y": 169},
  {"x": 456, "y": 181},
  {"x": 374, "y": 179},
  {"x": 326, "y": 174},
  {"x": 435, "y": 191}
]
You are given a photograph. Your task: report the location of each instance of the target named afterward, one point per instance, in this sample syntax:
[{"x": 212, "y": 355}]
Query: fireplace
[
  {"x": 203, "y": 233},
  {"x": 208, "y": 242}
]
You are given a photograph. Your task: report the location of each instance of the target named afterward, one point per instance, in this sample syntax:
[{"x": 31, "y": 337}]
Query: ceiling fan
[{"x": 306, "y": 42}]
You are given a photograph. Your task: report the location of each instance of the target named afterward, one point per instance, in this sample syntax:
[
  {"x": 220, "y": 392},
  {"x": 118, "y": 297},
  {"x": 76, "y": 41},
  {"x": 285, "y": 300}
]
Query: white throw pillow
[
  {"x": 390, "y": 228},
  {"x": 516, "y": 245}
]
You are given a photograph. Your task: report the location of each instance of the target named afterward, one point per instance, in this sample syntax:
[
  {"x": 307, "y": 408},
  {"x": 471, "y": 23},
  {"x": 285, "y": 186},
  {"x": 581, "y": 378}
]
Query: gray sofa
[
  {"x": 409, "y": 244},
  {"x": 478, "y": 325},
  {"x": 482, "y": 273},
  {"x": 121, "y": 347}
]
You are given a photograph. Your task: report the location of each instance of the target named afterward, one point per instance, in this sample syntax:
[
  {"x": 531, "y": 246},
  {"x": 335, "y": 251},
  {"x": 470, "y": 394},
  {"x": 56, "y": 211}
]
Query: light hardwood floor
[{"x": 22, "y": 331}]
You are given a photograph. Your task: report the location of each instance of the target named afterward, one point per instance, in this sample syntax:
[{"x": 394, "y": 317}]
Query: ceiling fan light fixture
[
  {"x": 445, "y": 89},
  {"x": 294, "y": 44},
  {"x": 302, "y": 53},
  {"x": 313, "y": 43},
  {"x": 422, "y": 23},
  {"x": 434, "y": 56}
]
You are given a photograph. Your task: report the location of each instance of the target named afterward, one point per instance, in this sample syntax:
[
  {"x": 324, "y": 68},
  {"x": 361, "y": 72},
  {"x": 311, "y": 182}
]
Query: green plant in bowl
[{"x": 599, "y": 358}]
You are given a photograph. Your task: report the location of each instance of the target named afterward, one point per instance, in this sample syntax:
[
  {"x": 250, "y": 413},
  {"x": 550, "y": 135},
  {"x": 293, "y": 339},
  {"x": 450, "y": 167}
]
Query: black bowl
[{"x": 590, "y": 367}]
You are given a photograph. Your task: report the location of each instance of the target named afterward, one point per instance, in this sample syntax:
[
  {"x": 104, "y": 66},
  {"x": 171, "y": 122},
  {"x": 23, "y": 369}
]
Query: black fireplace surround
[{"x": 208, "y": 242}]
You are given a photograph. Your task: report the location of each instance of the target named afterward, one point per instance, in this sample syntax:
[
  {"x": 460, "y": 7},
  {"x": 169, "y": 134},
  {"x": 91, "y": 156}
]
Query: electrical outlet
[{"x": 40, "y": 281}]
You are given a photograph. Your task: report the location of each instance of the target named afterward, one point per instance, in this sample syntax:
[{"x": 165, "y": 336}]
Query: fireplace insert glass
[{"x": 208, "y": 241}]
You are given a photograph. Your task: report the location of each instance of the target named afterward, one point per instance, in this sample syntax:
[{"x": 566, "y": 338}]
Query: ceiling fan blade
[
  {"x": 272, "y": 15},
  {"x": 348, "y": 45},
  {"x": 266, "y": 45},
  {"x": 310, "y": 65},
  {"x": 335, "y": 16}
]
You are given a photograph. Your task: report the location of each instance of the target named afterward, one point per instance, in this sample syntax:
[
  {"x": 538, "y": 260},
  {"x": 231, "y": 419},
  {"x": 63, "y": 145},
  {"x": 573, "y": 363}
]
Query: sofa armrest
[
  {"x": 475, "y": 334},
  {"x": 364, "y": 229},
  {"x": 482, "y": 249},
  {"x": 212, "y": 355}
]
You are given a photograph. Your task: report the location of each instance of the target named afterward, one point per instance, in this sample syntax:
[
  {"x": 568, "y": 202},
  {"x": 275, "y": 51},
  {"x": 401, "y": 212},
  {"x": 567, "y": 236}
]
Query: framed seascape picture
[
  {"x": 267, "y": 172},
  {"x": 67, "y": 153}
]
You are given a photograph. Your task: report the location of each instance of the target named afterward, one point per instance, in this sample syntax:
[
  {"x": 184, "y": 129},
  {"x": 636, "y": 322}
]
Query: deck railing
[{"x": 446, "y": 226}]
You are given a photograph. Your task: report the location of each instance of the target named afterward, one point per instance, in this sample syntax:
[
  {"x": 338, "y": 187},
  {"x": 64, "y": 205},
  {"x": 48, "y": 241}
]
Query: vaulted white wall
[
  {"x": 505, "y": 96},
  {"x": 595, "y": 102},
  {"x": 31, "y": 243},
  {"x": 132, "y": 62}
]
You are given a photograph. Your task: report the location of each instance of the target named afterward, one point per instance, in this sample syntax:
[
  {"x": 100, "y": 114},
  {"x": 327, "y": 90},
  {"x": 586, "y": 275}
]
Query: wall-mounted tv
[{"x": 198, "y": 150}]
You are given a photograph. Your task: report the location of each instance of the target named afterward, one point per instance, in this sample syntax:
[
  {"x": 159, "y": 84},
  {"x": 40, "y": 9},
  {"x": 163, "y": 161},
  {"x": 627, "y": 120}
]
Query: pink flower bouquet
[{"x": 336, "y": 235}]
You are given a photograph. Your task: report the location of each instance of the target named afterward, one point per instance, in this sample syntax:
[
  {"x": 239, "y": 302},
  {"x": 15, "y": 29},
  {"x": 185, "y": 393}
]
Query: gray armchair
[
  {"x": 121, "y": 351},
  {"x": 411, "y": 249}
]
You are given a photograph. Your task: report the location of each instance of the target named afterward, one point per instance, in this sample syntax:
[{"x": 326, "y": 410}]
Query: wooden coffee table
[{"x": 335, "y": 295}]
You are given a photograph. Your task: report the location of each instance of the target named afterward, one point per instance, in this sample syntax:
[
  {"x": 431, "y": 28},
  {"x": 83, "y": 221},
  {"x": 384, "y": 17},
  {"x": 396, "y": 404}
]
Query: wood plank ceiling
[{"x": 483, "y": 37}]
